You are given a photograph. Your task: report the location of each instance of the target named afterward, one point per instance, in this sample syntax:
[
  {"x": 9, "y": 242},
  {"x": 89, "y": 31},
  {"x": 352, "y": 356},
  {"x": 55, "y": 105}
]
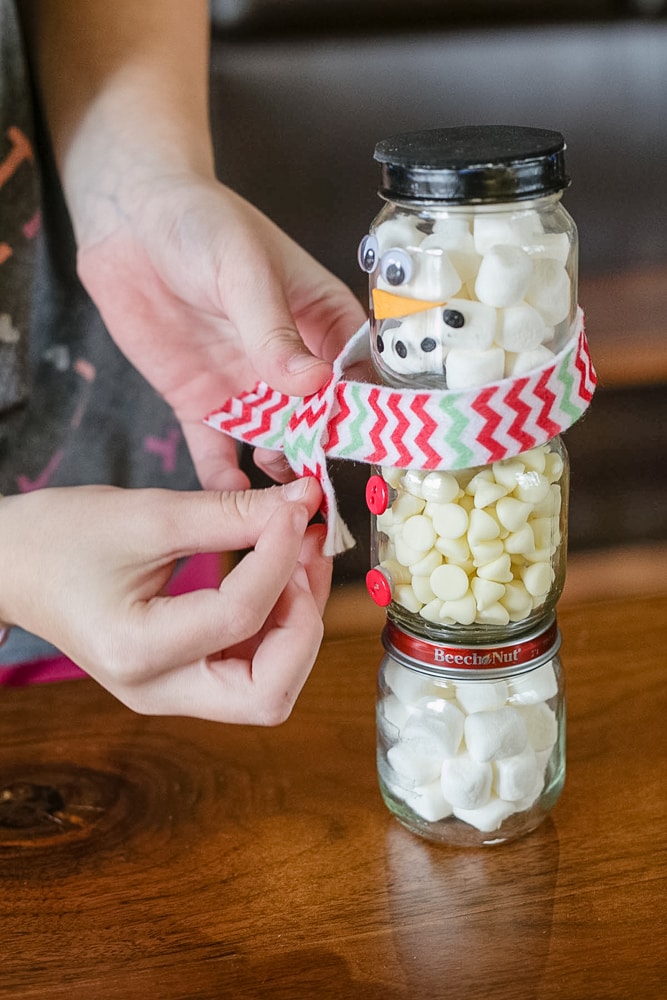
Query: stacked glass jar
[{"x": 472, "y": 266}]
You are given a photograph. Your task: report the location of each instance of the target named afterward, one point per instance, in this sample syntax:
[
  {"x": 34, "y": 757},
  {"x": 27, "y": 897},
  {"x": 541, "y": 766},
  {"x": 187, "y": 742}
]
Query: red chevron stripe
[
  {"x": 342, "y": 413},
  {"x": 376, "y": 430},
  {"x": 548, "y": 398},
  {"x": 281, "y": 401},
  {"x": 584, "y": 365},
  {"x": 523, "y": 412},
  {"x": 429, "y": 427},
  {"x": 402, "y": 425},
  {"x": 250, "y": 402},
  {"x": 492, "y": 420}
]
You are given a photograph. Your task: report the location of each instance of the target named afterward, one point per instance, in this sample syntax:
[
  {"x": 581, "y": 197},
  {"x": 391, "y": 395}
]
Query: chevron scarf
[{"x": 410, "y": 428}]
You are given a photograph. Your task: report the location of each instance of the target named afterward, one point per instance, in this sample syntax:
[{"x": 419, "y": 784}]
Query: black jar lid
[{"x": 472, "y": 163}]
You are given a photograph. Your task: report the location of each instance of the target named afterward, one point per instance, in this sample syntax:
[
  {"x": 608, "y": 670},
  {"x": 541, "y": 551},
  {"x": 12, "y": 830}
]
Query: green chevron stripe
[
  {"x": 301, "y": 445},
  {"x": 356, "y": 440},
  {"x": 459, "y": 424},
  {"x": 566, "y": 404}
]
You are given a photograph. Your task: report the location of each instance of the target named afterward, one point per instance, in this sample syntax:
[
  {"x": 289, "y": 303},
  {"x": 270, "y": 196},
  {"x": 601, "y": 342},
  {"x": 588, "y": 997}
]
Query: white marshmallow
[
  {"x": 428, "y": 802},
  {"x": 549, "y": 290},
  {"x": 520, "y": 328},
  {"x": 468, "y": 368},
  {"x": 435, "y": 277},
  {"x": 541, "y": 725},
  {"x": 401, "y": 231},
  {"x": 490, "y": 229},
  {"x": 466, "y": 783},
  {"x": 515, "y": 777},
  {"x": 413, "y": 767},
  {"x": 555, "y": 245},
  {"x": 535, "y": 686},
  {"x": 408, "y": 685},
  {"x": 435, "y": 728},
  {"x": 467, "y": 324},
  {"x": 392, "y": 715},
  {"x": 527, "y": 361},
  {"x": 458, "y": 243},
  {"x": 493, "y": 735},
  {"x": 489, "y": 817},
  {"x": 481, "y": 696},
  {"x": 504, "y": 276}
]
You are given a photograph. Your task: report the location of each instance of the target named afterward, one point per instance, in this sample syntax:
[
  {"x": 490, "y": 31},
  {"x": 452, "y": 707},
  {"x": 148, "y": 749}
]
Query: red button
[
  {"x": 379, "y": 587},
  {"x": 377, "y": 495}
]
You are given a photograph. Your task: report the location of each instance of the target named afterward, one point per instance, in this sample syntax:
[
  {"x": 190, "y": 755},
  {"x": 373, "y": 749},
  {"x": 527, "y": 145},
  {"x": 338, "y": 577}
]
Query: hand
[
  {"x": 86, "y": 569},
  {"x": 205, "y": 296}
]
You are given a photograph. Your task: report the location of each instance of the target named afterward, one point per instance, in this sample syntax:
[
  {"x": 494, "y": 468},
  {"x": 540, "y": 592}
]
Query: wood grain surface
[{"x": 171, "y": 858}]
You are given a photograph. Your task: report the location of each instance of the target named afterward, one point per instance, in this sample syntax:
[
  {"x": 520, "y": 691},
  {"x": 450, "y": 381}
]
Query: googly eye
[
  {"x": 367, "y": 254},
  {"x": 428, "y": 344},
  {"x": 396, "y": 266},
  {"x": 453, "y": 318}
]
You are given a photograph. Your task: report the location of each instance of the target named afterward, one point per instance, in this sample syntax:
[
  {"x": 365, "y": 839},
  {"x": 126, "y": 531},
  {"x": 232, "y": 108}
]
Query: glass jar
[
  {"x": 472, "y": 266},
  {"x": 471, "y": 740},
  {"x": 473, "y": 554},
  {"x": 473, "y": 260}
]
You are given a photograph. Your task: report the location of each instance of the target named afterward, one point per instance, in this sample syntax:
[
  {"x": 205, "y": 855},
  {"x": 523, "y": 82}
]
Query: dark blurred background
[{"x": 302, "y": 90}]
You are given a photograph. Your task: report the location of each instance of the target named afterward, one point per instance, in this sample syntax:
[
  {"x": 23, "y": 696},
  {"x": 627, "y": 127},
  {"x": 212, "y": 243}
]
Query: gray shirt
[{"x": 72, "y": 408}]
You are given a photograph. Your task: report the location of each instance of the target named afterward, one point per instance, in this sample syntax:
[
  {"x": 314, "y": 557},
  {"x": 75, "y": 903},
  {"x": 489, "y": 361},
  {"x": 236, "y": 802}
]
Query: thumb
[{"x": 273, "y": 343}]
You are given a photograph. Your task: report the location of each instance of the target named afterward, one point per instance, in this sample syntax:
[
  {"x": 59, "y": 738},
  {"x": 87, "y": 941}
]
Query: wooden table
[{"x": 171, "y": 858}]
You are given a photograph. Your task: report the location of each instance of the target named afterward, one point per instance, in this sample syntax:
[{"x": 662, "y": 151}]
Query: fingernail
[{"x": 296, "y": 490}]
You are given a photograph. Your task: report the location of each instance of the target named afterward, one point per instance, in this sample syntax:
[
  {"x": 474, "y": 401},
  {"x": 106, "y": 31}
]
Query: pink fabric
[{"x": 198, "y": 572}]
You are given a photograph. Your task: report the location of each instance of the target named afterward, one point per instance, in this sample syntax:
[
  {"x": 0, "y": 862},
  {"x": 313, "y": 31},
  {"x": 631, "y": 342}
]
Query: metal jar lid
[
  {"x": 476, "y": 661},
  {"x": 472, "y": 164}
]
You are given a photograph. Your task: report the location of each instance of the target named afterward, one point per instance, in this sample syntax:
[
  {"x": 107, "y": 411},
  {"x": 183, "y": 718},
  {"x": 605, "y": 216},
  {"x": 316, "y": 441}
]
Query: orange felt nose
[{"x": 387, "y": 305}]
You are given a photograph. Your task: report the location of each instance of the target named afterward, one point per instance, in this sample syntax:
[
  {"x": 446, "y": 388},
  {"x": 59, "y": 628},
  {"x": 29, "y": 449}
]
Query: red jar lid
[{"x": 529, "y": 650}]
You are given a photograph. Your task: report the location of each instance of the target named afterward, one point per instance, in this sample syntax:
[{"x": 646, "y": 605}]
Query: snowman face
[{"x": 411, "y": 346}]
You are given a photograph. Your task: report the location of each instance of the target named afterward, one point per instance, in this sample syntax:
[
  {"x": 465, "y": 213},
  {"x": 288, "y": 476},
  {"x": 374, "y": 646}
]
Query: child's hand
[{"x": 86, "y": 567}]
